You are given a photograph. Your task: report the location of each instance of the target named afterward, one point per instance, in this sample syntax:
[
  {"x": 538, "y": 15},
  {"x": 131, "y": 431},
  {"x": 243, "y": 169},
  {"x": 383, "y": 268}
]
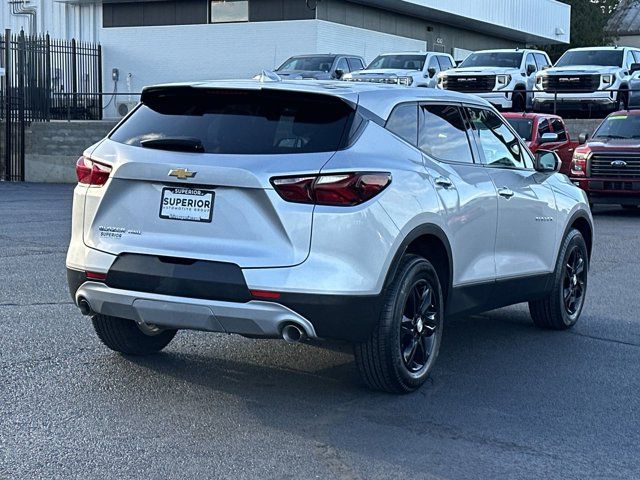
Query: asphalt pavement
[{"x": 505, "y": 400}]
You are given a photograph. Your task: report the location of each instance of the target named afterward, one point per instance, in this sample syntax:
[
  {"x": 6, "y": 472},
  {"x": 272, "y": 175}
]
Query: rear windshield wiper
[{"x": 177, "y": 144}]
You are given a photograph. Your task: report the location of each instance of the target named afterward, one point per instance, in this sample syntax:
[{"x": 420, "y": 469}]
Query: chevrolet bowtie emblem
[{"x": 182, "y": 173}]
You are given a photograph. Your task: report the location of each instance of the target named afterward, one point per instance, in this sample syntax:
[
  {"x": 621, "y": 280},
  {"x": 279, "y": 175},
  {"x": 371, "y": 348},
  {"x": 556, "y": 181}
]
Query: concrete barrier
[
  {"x": 576, "y": 126},
  {"x": 52, "y": 148}
]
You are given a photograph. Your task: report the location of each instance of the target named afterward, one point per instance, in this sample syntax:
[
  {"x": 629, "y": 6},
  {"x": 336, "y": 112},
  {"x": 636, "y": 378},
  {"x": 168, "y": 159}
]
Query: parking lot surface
[{"x": 505, "y": 400}]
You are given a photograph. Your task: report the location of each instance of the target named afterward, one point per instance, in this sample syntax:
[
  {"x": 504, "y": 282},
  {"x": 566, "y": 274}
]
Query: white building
[{"x": 153, "y": 41}]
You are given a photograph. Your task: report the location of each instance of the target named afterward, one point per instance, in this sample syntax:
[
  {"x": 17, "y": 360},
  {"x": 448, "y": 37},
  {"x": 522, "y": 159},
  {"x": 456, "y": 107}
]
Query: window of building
[
  {"x": 226, "y": 11},
  {"x": 442, "y": 134}
]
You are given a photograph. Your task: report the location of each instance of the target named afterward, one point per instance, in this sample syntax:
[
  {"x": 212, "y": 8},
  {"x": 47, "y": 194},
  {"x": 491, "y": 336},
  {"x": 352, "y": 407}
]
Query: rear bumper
[{"x": 338, "y": 317}]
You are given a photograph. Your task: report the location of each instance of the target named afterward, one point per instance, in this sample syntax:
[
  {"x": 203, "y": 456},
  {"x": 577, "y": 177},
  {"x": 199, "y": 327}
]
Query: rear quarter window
[{"x": 241, "y": 121}]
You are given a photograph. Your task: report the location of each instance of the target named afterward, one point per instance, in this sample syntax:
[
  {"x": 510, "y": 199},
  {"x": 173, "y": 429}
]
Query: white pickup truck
[
  {"x": 588, "y": 78},
  {"x": 503, "y": 77},
  {"x": 410, "y": 69}
]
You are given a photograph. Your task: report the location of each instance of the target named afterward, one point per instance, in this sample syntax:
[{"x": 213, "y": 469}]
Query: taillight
[
  {"x": 336, "y": 189},
  {"x": 90, "y": 172},
  {"x": 579, "y": 161}
]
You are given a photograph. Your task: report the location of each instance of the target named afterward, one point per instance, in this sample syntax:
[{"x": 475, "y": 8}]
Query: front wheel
[
  {"x": 562, "y": 307},
  {"x": 401, "y": 352},
  {"x": 519, "y": 101}
]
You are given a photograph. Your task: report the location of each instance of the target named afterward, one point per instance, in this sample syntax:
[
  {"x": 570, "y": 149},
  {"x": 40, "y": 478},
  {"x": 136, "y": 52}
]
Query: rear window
[
  {"x": 523, "y": 126},
  {"x": 240, "y": 121}
]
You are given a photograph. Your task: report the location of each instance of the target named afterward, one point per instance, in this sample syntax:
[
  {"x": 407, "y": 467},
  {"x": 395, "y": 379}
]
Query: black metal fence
[{"x": 44, "y": 79}]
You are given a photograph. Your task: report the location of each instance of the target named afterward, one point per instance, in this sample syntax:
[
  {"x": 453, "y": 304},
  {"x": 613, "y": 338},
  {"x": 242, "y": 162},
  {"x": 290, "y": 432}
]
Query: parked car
[
  {"x": 410, "y": 69},
  {"x": 503, "y": 77},
  {"x": 319, "y": 67},
  {"x": 588, "y": 78},
  {"x": 607, "y": 166},
  {"x": 190, "y": 216},
  {"x": 546, "y": 132}
]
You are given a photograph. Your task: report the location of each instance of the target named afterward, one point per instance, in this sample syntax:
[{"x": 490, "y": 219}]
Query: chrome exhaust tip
[
  {"x": 292, "y": 333},
  {"x": 83, "y": 305}
]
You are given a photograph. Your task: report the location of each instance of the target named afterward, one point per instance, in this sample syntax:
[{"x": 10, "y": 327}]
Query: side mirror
[
  {"x": 548, "y": 138},
  {"x": 582, "y": 138},
  {"x": 531, "y": 69},
  {"x": 431, "y": 71},
  {"x": 635, "y": 67},
  {"x": 547, "y": 161},
  {"x": 339, "y": 73}
]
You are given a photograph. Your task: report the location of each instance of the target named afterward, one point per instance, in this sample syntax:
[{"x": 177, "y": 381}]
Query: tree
[{"x": 588, "y": 20}]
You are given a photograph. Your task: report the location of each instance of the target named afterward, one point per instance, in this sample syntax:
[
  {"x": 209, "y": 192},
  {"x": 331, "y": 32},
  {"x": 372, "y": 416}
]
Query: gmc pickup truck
[
  {"x": 607, "y": 166},
  {"x": 544, "y": 132}
]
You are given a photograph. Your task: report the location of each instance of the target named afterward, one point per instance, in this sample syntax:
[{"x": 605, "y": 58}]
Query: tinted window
[
  {"x": 442, "y": 133},
  {"x": 403, "y": 121},
  {"x": 343, "y": 65},
  {"x": 309, "y": 64},
  {"x": 531, "y": 61},
  {"x": 523, "y": 127},
  {"x": 499, "y": 146},
  {"x": 543, "y": 127},
  {"x": 445, "y": 63},
  {"x": 239, "y": 121},
  {"x": 636, "y": 55},
  {"x": 355, "y": 64},
  {"x": 494, "y": 59},
  {"x": 541, "y": 60},
  {"x": 619, "y": 126},
  {"x": 558, "y": 127},
  {"x": 403, "y": 62},
  {"x": 604, "y": 58}
]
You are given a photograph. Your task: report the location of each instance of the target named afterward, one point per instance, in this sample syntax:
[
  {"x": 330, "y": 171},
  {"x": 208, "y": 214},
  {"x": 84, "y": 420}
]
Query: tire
[
  {"x": 559, "y": 310},
  {"x": 125, "y": 336},
  {"x": 519, "y": 103},
  {"x": 622, "y": 100},
  {"x": 401, "y": 351}
]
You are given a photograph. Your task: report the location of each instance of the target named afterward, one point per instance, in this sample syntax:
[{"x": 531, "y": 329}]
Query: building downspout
[{"x": 20, "y": 7}]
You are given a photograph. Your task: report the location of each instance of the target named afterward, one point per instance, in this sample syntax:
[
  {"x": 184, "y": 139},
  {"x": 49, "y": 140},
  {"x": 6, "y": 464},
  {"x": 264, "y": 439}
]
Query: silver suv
[{"x": 321, "y": 210}]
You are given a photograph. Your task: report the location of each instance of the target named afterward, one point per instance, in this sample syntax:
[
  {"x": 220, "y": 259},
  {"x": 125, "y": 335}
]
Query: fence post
[
  {"x": 47, "y": 75},
  {"x": 7, "y": 104},
  {"x": 100, "y": 112},
  {"x": 22, "y": 72},
  {"x": 74, "y": 74}
]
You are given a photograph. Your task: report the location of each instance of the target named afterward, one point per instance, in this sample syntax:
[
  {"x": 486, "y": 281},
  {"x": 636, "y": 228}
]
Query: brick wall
[{"x": 51, "y": 149}]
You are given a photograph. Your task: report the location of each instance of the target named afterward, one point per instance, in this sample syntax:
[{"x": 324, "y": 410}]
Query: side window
[
  {"x": 558, "y": 127},
  {"x": 542, "y": 61},
  {"x": 403, "y": 121},
  {"x": 630, "y": 59},
  {"x": 499, "y": 145},
  {"x": 442, "y": 134},
  {"x": 530, "y": 62},
  {"x": 543, "y": 127},
  {"x": 445, "y": 63},
  {"x": 343, "y": 65},
  {"x": 433, "y": 63},
  {"x": 636, "y": 55},
  {"x": 355, "y": 64}
]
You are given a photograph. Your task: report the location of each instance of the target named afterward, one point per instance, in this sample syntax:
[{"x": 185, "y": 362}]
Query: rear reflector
[
  {"x": 264, "y": 294},
  {"x": 338, "y": 189},
  {"x": 101, "y": 277},
  {"x": 90, "y": 172}
]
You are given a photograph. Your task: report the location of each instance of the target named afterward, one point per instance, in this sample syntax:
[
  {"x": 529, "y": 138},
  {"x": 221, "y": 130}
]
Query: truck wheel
[
  {"x": 562, "y": 307},
  {"x": 401, "y": 352},
  {"x": 125, "y": 336},
  {"x": 622, "y": 101},
  {"x": 519, "y": 103}
]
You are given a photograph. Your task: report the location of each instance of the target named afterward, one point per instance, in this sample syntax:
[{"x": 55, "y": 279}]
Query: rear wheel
[
  {"x": 402, "y": 350},
  {"x": 562, "y": 307},
  {"x": 126, "y": 336}
]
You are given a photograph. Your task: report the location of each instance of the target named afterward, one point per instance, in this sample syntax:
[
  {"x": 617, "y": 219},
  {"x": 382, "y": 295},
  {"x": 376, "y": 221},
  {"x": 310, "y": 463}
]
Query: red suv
[{"x": 607, "y": 166}]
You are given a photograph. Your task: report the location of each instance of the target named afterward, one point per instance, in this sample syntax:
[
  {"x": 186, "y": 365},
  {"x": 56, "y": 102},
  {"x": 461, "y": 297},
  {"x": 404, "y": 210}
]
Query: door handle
[
  {"x": 443, "y": 182},
  {"x": 505, "y": 192}
]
